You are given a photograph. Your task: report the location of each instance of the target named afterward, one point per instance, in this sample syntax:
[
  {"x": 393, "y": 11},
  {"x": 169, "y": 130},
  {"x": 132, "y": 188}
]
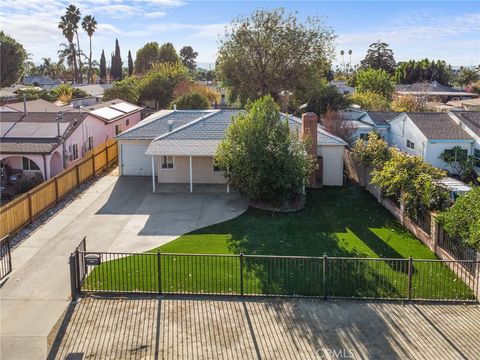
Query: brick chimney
[{"x": 309, "y": 128}]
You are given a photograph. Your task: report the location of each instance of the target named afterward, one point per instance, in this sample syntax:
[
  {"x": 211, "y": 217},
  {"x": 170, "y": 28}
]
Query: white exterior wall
[
  {"x": 332, "y": 164},
  {"x": 434, "y": 149},
  {"x": 202, "y": 171},
  {"x": 403, "y": 129}
]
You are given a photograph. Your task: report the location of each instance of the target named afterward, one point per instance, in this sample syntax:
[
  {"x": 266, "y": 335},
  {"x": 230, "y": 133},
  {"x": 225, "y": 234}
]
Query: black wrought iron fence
[
  {"x": 424, "y": 221},
  {"x": 5, "y": 257},
  {"x": 457, "y": 248},
  {"x": 261, "y": 275}
]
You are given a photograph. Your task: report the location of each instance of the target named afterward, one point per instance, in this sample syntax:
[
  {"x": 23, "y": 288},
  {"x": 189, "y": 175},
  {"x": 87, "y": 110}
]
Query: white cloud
[{"x": 155, "y": 14}]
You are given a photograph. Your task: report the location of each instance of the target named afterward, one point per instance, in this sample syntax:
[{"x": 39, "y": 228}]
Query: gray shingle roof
[
  {"x": 156, "y": 124},
  {"x": 471, "y": 119},
  {"x": 382, "y": 117},
  {"x": 438, "y": 126},
  {"x": 430, "y": 88},
  {"x": 202, "y": 136}
]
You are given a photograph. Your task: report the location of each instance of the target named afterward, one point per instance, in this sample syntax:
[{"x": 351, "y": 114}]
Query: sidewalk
[{"x": 37, "y": 292}]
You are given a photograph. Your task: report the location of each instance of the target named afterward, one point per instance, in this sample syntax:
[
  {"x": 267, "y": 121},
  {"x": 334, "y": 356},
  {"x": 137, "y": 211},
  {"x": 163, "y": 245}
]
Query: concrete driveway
[{"x": 115, "y": 214}]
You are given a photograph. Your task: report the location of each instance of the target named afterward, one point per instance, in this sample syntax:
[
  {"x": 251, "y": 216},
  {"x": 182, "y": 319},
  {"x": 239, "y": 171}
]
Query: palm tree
[
  {"x": 69, "y": 54},
  {"x": 68, "y": 31},
  {"x": 73, "y": 17},
  {"x": 343, "y": 59},
  {"x": 89, "y": 24},
  {"x": 350, "y": 61}
]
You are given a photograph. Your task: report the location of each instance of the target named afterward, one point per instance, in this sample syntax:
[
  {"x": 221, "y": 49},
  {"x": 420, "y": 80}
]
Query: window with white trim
[
  {"x": 364, "y": 136},
  {"x": 410, "y": 145},
  {"x": 28, "y": 164},
  {"x": 166, "y": 163}
]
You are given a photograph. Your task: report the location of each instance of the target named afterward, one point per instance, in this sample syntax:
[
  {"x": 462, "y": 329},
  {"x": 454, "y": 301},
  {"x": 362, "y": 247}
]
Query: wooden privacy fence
[{"x": 27, "y": 207}]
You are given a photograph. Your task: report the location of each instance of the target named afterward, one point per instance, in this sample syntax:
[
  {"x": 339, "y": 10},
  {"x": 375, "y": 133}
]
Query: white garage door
[{"x": 135, "y": 162}]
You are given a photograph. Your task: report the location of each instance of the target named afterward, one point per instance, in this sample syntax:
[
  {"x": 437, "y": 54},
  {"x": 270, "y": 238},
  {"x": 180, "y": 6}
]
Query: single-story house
[
  {"x": 47, "y": 142},
  {"x": 365, "y": 122},
  {"x": 42, "y": 143},
  {"x": 178, "y": 146},
  {"x": 433, "y": 89},
  {"x": 428, "y": 135},
  {"x": 45, "y": 82},
  {"x": 342, "y": 87},
  {"x": 38, "y": 105}
]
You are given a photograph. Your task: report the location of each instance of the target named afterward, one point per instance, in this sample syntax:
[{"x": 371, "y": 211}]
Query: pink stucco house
[{"x": 45, "y": 143}]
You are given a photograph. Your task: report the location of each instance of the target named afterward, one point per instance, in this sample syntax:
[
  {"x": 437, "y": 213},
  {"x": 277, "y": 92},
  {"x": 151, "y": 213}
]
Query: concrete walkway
[
  {"x": 220, "y": 328},
  {"x": 116, "y": 214}
]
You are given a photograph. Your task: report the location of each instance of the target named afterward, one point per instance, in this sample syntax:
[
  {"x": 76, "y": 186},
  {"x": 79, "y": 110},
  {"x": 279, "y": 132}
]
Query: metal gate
[{"x": 5, "y": 257}]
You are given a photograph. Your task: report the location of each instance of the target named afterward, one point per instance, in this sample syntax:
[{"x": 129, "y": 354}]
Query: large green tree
[
  {"x": 188, "y": 56},
  {"x": 89, "y": 25},
  {"x": 192, "y": 101},
  {"x": 413, "y": 71},
  {"x": 12, "y": 57},
  {"x": 376, "y": 81},
  {"x": 379, "y": 56},
  {"x": 272, "y": 53},
  {"x": 462, "y": 220},
  {"x": 466, "y": 76},
  {"x": 126, "y": 89},
  {"x": 146, "y": 57},
  {"x": 117, "y": 63},
  {"x": 158, "y": 84},
  {"x": 168, "y": 54},
  {"x": 323, "y": 97},
  {"x": 263, "y": 159}
]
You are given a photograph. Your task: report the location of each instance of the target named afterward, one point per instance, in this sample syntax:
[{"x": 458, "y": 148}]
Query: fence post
[
  {"x": 56, "y": 188},
  {"x": 78, "y": 175},
  {"x": 324, "y": 276},
  {"x": 73, "y": 277},
  {"x": 241, "y": 274},
  {"x": 410, "y": 273},
  {"x": 30, "y": 206},
  {"x": 93, "y": 163},
  {"x": 9, "y": 253},
  {"x": 159, "y": 273},
  {"x": 106, "y": 156}
]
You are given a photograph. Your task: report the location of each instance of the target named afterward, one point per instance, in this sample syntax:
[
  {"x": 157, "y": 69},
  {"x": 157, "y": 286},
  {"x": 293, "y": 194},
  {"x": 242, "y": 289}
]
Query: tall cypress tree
[
  {"x": 103, "y": 68},
  {"x": 113, "y": 71},
  {"x": 130, "y": 63},
  {"x": 118, "y": 61}
]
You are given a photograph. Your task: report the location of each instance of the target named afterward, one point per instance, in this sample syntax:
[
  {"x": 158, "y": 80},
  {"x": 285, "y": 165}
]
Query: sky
[{"x": 447, "y": 30}]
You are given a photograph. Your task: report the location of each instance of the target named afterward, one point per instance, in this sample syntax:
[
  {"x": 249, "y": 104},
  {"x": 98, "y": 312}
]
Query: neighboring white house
[
  {"x": 367, "y": 121},
  {"x": 470, "y": 122},
  {"x": 428, "y": 135},
  {"x": 177, "y": 146}
]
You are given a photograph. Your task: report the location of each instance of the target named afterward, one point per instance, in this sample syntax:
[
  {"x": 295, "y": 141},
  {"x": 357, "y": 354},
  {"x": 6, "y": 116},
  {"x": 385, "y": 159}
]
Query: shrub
[
  {"x": 372, "y": 153},
  {"x": 262, "y": 159},
  {"x": 126, "y": 89},
  {"x": 187, "y": 86},
  {"x": 192, "y": 101},
  {"x": 463, "y": 218},
  {"x": 371, "y": 101}
]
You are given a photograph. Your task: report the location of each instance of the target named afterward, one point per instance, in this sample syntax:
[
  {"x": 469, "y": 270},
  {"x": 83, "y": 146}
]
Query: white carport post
[
  {"x": 191, "y": 182},
  {"x": 153, "y": 173}
]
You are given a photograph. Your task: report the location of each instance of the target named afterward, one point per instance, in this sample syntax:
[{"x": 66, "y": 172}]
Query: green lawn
[{"x": 339, "y": 222}]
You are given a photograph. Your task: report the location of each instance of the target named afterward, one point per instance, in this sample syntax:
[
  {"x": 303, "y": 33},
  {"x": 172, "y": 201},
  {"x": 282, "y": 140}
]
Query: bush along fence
[
  {"x": 27, "y": 207},
  {"x": 427, "y": 229},
  {"x": 258, "y": 275}
]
